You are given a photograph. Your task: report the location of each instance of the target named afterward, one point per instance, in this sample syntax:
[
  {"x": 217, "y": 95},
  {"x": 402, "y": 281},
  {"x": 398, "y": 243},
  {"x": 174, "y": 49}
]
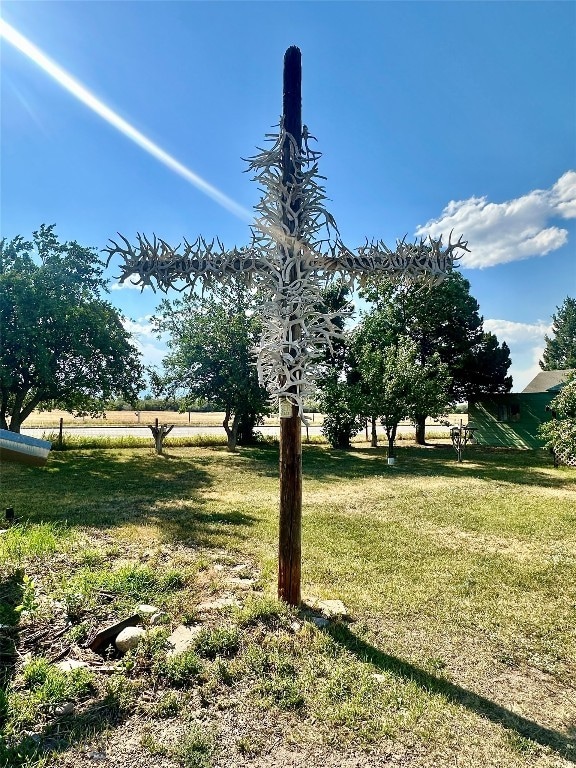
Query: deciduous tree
[
  {"x": 61, "y": 345},
  {"x": 211, "y": 342},
  {"x": 395, "y": 384},
  {"x": 444, "y": 321},
  {"x": 560, "y": 431}
]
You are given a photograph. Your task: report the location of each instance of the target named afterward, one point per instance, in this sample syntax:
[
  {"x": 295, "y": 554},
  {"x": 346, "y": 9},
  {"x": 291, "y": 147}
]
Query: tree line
[{"x": 414, "y": 351}]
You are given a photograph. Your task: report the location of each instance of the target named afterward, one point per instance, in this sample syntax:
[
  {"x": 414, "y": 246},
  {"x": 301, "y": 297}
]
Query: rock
[
  {"x": 182, "y": 639},
  {"x": 215, "y": 605},
  {"x": 241, "y": 583},
  {"x": 146, "y": 610},
  {"x": 67, "y": 665},
  {"x": 332, "y": 608},
  {"x": 159, "y": 618},
  {"x": 295, "y": 626},
  {"x": 241, "y": 567},
  {"x": 106, "y": 635},
  {"x": 129, "y": 638},
  {"x": 64, "y": 709},
  {"x": 319, "y": 621},
  {"x": 379, "y": 678}
]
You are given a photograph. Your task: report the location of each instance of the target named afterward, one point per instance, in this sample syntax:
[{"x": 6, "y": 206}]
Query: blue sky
[{"x": 430, "y": 116}]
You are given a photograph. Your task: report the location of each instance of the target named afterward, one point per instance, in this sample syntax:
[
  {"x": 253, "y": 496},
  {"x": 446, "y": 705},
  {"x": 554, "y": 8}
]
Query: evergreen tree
[{"x": 560, "y": 351}]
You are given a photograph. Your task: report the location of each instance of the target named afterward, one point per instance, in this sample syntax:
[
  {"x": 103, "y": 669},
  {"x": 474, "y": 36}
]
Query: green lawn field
[{"x": 459, "y": 579}]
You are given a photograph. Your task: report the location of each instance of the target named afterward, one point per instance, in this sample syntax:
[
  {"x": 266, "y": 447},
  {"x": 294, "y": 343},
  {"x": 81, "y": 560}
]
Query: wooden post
[
  {"x": 159, "y": 432},
  {"x": 60, "y": 435},
  {"x": 290, "y": 530}
]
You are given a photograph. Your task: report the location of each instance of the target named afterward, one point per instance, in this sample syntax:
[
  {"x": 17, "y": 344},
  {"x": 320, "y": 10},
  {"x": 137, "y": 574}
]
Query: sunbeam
[{"x": 12, "y": 36}]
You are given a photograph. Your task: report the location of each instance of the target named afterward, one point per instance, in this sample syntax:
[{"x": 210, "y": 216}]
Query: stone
[
  {"x": 64, "y": 709},
  {"x": 332, "y": 608},
  {"x": 319, "y": 621},
  {"x": 379, "y": 678},
  {"x": 182, "y": 639},
  {"x": 146, "y": 610},
  {"x": 216, "y": 605},
  {"x": 105, "y": 636},
  {"x": 129, "y": 638},
  {"x": 241, "y": 583},
  {"x": 295, "y": 626},
  {"x": 67, "y": 665}
]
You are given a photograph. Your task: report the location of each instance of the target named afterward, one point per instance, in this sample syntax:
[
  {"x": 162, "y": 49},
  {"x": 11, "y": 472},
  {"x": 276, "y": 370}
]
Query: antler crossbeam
[{"x": 295, "y": 251}]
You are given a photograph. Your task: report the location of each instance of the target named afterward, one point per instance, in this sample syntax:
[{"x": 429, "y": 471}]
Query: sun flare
[{"x": 80, "y": 92}]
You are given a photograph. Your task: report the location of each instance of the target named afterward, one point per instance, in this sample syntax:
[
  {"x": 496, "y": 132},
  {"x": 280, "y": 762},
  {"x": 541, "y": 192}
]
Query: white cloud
[
  {"x": 518, "y": 333},
  {"x": 526, "y": 368},
  {"x": 130, "y": 286},
  {"x": 152, "y": 349},
  {"x": 499, "y": 233},
  {"x": 152, "y": 354},
  {"x": 140, "y": 327}
]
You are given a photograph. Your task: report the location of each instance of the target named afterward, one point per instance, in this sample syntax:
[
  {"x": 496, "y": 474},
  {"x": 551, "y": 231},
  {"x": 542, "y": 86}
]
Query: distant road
[
  {"x": 144, "y": 431},
  {"x": 178, "y": 431}
]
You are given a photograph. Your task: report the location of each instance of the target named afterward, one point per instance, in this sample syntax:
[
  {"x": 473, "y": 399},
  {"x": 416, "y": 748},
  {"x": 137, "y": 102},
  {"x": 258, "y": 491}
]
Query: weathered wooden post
[
  {"x": 289, "y": 543},
  {"x": 159, "y": 432}
]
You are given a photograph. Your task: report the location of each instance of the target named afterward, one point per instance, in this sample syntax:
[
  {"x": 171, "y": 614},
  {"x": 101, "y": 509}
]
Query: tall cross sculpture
[{"x": 295, "y": 251}]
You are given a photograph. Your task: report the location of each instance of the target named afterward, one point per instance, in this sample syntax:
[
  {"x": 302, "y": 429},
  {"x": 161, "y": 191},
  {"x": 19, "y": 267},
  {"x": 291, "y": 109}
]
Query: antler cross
[{"x": 295, "y": 251}]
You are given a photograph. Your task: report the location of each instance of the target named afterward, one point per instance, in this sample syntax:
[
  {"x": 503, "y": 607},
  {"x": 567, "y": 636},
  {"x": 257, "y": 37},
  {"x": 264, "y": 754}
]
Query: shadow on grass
[
  {"x": 546, "y": 737},
  {"x": 111, "y": 488},
  {"x": 58, "y": 736},
  {"x": 501, "y": 465},
  {"x": 11, "y": 594}
]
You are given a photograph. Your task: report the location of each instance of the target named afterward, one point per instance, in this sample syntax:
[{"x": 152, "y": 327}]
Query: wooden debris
[{"x": 105, "y": 636}]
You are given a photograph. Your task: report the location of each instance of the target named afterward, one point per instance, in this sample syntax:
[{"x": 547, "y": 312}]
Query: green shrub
[
  {"x": 196, "y": 748},
  {"x": 219, "y": 641},
  {"x": 264, "y": 610},
  {"x": 181, "y": 671}
]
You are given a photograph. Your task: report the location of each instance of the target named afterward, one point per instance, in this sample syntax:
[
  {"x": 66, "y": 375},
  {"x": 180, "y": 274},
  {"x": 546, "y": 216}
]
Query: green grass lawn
[{"x": 460, "y": 580}]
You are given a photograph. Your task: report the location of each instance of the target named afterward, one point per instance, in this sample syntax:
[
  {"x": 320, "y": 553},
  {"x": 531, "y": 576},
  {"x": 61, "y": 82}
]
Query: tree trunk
[
  {"x": 231, "y": 431},
  {"x": 15, "y": 415},
  {"x": 3, "y": 409},
  {"x": 374, "y": 435},
  {"x": 420, "y": 430},
  {"x": 15, "y": 424},
  {"x": 391, "y": 435}
]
